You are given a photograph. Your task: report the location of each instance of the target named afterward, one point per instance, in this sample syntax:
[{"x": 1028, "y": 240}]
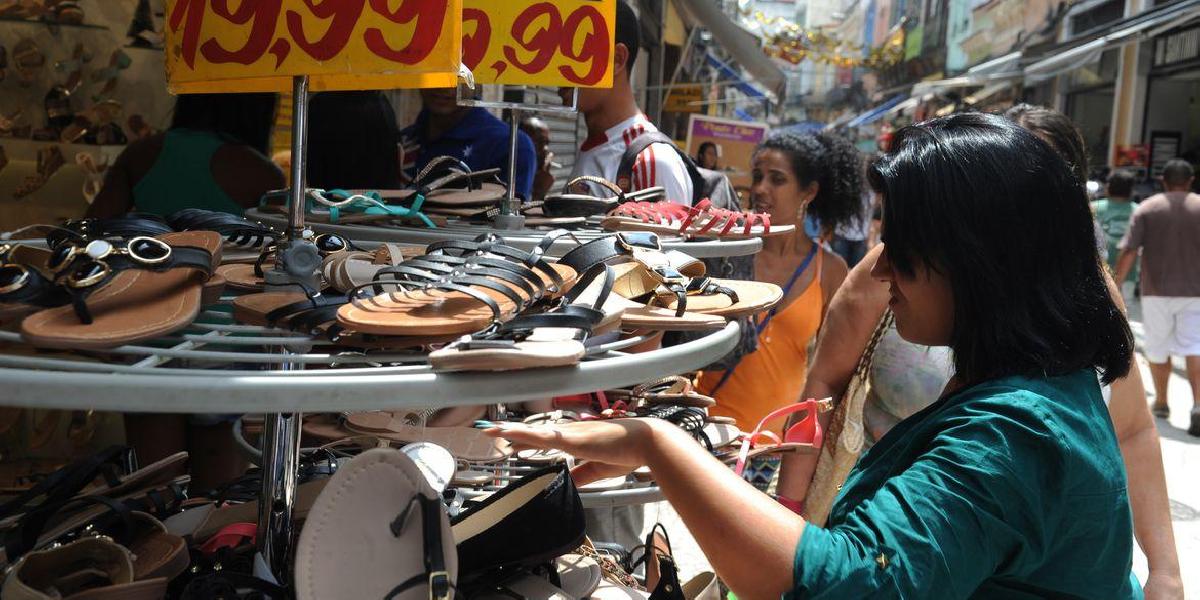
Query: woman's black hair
[
  {"x": 831, "y": 161},
  {"x": 243, "y": 118},
  {"x": 999, "y": 213},
  {"x": 1057, "y": 130},
  {"x": 352, "y": 140}
]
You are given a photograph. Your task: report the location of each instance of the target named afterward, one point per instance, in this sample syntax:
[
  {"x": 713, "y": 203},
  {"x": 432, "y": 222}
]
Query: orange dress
[{"x": 772, "y": 376}]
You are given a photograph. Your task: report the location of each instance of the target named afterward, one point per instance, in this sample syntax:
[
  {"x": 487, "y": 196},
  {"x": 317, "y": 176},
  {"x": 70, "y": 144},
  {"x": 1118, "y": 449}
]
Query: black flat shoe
[{"x": 532, "y": 521}]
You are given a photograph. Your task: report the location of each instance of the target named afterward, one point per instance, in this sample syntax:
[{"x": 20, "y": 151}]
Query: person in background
[
  {"x": 794, "y": 175},
  {"x": 358, "y": 153},
  {"x": 214, "y": 156},
  {"x": 706, "y": 157},
  {"x": 470, "y": 134},
  {"x": 1166, "y": 228},
  {"x": 1113, "y": 212},
  {"x": 614, "y": 121},
  {"x": 543, "y": 178},
  {"x": 850, "y": 240},
  {"x": 905, "y": 378}
]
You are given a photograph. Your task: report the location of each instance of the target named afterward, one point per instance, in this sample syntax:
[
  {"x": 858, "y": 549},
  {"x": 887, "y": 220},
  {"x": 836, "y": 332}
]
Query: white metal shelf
[{"x": 220, "y": 367}]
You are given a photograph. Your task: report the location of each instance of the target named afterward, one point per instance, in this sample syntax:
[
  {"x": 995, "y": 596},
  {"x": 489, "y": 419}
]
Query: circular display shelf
[
  {"x": 526, "y": 239},
  {"x": 217, "y": 366}
]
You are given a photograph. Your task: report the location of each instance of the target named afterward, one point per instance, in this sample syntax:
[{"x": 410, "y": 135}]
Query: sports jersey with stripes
[{"x": 657, "y": 165}]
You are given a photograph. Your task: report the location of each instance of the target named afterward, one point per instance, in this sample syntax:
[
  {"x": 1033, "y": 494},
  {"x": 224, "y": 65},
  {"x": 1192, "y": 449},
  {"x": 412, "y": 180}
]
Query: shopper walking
[
  {"x": 1166, "y": 228},
  {"x": 614, "y": 121},
  {"x": 1011, "y": 483},
  {"x": 1113, "y": 212},
  {"x": 214, "y": 156},
  {"x": 794, "y": 175}
]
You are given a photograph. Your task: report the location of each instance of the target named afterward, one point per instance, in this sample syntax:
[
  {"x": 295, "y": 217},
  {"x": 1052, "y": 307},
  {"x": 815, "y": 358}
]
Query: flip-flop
[
  {"x": 377, "y": 530},
  {"x": 153, "y": 288}
]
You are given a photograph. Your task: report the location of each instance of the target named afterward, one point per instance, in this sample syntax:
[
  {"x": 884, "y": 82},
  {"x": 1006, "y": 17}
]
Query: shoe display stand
[{"x": 525, "y": 239}]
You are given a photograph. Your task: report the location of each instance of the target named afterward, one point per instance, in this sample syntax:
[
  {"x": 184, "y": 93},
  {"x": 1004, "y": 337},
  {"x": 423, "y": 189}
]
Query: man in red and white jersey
[{"x": 614, "y": 121}]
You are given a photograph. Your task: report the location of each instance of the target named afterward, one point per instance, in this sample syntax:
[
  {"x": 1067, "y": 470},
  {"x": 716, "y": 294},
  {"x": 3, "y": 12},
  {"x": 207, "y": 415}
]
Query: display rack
[{"x": 525, "y": 239}]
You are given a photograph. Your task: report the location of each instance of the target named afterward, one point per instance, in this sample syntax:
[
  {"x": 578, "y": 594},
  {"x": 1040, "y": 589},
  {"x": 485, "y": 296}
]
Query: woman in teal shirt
[
  {"x": 212, "y": 157},
  {"x": 1009, "y": 486}
]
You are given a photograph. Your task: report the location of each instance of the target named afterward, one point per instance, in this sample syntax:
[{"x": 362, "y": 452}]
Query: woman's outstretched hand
[{"x": 610, "y": 448}]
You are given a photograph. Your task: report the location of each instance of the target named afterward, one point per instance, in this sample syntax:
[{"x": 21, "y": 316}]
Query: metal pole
[
  {"x": 510, "y": 216},
  {"x": 299, "y": 135},
  {"x": 280, "y": 447}
]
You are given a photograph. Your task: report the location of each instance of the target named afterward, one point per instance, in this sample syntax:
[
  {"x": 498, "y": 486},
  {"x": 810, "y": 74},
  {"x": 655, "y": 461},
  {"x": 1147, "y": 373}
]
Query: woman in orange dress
[{"x": 795, "y": 175}]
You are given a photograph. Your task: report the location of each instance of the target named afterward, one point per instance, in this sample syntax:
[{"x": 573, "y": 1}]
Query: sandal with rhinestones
[{"x": 125, "y": 292}]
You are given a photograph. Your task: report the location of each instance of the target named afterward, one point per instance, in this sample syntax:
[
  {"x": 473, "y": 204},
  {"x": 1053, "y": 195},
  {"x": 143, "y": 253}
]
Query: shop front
[{"x": 1172, "y": 119}]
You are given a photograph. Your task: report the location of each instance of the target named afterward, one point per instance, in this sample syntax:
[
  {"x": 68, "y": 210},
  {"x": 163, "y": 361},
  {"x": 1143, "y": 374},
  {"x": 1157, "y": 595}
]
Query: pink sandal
[{"x": 806, "y": 436}]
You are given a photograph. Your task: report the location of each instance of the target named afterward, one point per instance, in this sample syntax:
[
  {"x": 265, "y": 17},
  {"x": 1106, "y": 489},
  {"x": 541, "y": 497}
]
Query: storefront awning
[
  {"x": 1004, "y": 64},
  {"x": 987, "y": 92},
  {"x": 969, "y": 80},
  {"x": 903, "y": 107},
  {"x": 1125, "y": 31},
  {"x": 744, "y": 47},
  {"x": 728, "y": 73},
  {"x": 875, "y": 113}
]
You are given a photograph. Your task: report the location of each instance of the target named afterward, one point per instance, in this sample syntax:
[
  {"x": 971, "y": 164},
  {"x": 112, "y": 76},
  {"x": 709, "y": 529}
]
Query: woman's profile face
[
  {"x": 776, "y": 190},
  {"x": 922, "y": 303}
]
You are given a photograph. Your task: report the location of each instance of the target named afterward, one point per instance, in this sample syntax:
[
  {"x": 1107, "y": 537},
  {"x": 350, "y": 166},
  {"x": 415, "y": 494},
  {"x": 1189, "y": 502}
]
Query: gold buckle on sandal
[{"x": 443, "y": 589}]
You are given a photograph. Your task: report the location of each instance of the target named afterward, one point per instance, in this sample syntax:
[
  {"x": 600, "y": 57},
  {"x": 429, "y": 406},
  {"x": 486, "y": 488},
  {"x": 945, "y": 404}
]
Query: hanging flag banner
[
  {"x": 535, "y": 42},
  {"x": 258, "y": 45}
]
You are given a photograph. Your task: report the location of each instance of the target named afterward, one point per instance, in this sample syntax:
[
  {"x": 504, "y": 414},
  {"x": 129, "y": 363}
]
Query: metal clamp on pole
[{"x": 296, "y": 259}]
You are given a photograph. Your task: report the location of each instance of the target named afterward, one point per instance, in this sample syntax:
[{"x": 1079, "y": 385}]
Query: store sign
[
  {"x": 258, "y": 45},
  {"x": 1177, "y": 47},
  {"x": 685, "y": 99},
  {"x": 534, "y": 42},
  {"x": 736, "y": 142}
]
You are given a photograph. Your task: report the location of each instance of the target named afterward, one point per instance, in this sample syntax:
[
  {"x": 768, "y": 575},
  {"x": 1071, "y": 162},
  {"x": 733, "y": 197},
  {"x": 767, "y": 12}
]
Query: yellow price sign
[
  {"x": 535, "y": 42},
  {"x": 258, "y": 45}
]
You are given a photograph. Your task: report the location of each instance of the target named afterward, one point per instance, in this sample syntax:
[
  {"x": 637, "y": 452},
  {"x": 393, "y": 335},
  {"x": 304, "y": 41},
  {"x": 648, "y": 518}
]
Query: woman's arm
[
  {"x": 116, "y": 195},
  {"x": 1142, "y": 454},
  {"x": 853, "y": 313}
]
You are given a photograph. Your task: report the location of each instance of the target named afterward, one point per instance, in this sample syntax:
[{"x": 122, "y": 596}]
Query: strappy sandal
[
  {"x": 345, "y": 271},
  {"x": 805, "y": 436},
  {"x": 466, "y": 443},
  {"x": 367, "y": 206},
  {"x": 405, "y": 551},
  {"x": 448, "y": 181},
  {"x": 457, "y": 288},
  {"x": 701, "y": 220},
  {"x": 553, "y": 338},
  {"x": 585, "y": 205},
  {"x": 669, "y": 290},
  {"x": 130, "y": 292},
  {"x": 674, "y": 389},
  {"x": 237, "y": 231}
]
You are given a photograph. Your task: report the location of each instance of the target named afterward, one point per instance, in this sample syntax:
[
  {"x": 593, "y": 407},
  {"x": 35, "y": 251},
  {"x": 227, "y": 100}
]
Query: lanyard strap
[{"x": 762, "y": 326}]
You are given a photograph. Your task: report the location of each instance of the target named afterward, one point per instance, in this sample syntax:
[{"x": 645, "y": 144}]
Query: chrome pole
[
  {"x": 280, "y": 447},
  {"x": 510, "y": 216},
  {"x": 299, "y": 135}
]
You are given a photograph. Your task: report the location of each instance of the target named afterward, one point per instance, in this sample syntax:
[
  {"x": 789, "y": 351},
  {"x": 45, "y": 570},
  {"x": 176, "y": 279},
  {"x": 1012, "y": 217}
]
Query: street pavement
[{"x": 1181, "y": 457}]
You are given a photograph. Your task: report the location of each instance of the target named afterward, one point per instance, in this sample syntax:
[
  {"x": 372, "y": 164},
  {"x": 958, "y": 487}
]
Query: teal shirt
[
  {"x": 1113, "y": 218},
  {"x": 182, "y": 176},
  {"x": 1013, "y": 489}
]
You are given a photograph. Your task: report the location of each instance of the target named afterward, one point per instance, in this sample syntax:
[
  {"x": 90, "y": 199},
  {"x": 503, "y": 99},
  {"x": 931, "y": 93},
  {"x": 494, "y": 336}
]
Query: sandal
[
  {"x": 701, "y": 220},
  {"x": 49, "y": 160},
  {"x": 674, "y": 389},
  {"x": 238, "y": 231},
  {"x": 117, "y": 62},
  {"x": 27, "y": 59},
  {"x": 554, "y": 338},
  {"x": 448, "y": 181},
  {"x": 584, "y": 205},
  {"x": 378, "y": 530},
  {"x": 457, "y": 288},
  {"x": 250, "y": 277},
  {"x": 367, "y": 206},
  {"x": 126, "y": 293},
  {"x": 806, "y": 435},
  {"x": 91, "y": 567},
  {"x": 465, "y": 443}
]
